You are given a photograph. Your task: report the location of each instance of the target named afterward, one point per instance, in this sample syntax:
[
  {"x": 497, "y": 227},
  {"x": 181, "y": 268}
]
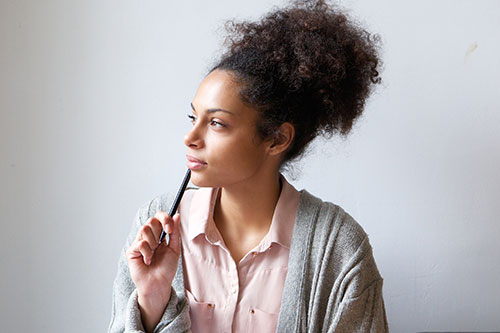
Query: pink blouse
[{"x": 225, "y": 296}]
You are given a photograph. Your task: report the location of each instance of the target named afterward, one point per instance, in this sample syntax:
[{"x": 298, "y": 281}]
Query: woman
[{"x": 247, "y": 251}]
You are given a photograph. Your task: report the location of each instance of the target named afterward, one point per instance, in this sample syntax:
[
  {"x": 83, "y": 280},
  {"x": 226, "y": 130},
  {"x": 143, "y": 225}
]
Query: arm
[
  {"x": 362, "y": 306},
  {"x": 126, "y": 312},
  {"x": 152, "y": 309},
  {"x": 363, "y": 313}
]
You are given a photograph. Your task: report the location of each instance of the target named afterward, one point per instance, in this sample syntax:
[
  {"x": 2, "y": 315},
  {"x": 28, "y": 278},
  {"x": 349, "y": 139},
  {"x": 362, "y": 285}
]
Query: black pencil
[{"x": 177, "y": 200}]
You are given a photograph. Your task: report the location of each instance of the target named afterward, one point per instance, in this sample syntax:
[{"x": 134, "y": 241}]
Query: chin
[
  {"x": 201, "y": 179},
  {"x": 218, "y": 177}
]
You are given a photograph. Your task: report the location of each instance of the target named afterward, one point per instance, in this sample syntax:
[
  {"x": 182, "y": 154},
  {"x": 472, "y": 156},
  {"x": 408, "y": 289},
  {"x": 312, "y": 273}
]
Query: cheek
[
  {"x": 236, "y": 152},
  {"x": 230, "y": 159}
]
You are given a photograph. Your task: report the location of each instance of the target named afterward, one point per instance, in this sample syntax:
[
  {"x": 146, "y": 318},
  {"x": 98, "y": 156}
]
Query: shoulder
[
  {"x": 326, "y": 215},
  {"x": 335, "y": 237},
  {"x": 331, "y": 225}
]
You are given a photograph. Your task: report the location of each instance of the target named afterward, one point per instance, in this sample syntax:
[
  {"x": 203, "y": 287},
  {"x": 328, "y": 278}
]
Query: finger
[
  {"x": 138, "y": 250},
  {"x": 138, "y": 237},
  {"x": 175, "y": 237},
  {"x": 146, "y": 251},
  {"x": 156, "y": 224},
  {"x": 149, "y": 236},
  {"x": 166, "y": 221}
]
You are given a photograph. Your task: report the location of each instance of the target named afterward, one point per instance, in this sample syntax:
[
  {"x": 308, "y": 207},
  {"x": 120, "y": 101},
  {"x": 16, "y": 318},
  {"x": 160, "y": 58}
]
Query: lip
[
  {"x": 194, "y": 159},
  {"x": 195, "y": 165}
]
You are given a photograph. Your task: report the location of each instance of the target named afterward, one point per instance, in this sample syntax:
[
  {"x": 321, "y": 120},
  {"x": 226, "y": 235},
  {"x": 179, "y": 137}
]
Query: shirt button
[
  {"x": 252, "y": 311},
  {"x": 254, "y": 254},
  {"x": 210, "y": 305}
]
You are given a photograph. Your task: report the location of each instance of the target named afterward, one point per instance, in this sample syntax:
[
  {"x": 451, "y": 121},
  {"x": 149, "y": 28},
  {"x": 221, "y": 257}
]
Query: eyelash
[{"x": 193, "y": 118}]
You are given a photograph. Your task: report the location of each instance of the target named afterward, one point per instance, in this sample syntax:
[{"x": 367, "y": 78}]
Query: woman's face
[{"x": 225, "y": 141}]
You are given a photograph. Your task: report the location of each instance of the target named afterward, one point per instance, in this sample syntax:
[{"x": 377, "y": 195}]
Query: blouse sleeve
[{"x": 125, "y": 313}]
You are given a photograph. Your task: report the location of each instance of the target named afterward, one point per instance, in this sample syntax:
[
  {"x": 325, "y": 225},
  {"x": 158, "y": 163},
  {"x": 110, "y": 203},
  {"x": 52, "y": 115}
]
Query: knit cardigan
[{"x": 332, "y": 284}]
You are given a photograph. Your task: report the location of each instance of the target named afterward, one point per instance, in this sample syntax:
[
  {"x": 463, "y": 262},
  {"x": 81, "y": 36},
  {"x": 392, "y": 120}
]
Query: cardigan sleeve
[
  {"x": 125, "y": 312},
  {"x": 363, "y": 313},
  {"x": 362, "y": 307}
]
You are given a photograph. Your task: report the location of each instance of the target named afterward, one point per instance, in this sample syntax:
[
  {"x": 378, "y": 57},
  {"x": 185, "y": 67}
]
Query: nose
[{"x": 192, "y": 138}]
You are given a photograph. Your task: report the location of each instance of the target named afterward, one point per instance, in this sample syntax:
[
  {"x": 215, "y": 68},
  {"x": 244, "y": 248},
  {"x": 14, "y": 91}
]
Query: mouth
[
  {"x": 194, "y": 159},
  {"x": 194, "y": 164}
]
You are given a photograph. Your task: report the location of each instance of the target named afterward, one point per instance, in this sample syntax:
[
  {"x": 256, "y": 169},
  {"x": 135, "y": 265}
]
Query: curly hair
[{"x": 306, "y": 64}]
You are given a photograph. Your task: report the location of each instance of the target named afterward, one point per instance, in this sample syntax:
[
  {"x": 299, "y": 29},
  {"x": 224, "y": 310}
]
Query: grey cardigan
[{"x": 332, "y": 284}]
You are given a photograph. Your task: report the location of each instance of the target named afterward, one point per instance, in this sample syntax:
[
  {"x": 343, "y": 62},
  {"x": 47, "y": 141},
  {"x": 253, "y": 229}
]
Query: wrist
[
  {"x": 152, "y": 309},
  {"x": 152, "y": 300}
]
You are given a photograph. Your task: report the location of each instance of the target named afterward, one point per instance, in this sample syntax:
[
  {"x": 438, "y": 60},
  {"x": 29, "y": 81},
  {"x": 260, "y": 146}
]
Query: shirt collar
[
  {"x": 283, "y": 219},
  {"x": 202, "y": 208},
  {"x": 201, "y": 213}
]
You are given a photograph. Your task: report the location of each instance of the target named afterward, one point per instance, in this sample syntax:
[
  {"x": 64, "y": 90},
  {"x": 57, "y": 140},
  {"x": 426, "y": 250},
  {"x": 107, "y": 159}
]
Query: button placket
[{"x": 234, "y": 288}]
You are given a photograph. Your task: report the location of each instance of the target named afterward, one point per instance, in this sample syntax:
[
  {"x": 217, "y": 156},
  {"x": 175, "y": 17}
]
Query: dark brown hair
[{"x": 306, "y": 64}]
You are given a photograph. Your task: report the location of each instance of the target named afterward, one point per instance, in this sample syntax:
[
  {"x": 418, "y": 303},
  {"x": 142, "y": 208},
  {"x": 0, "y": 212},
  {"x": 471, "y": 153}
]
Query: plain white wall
[{"x": 93, "y": 100}]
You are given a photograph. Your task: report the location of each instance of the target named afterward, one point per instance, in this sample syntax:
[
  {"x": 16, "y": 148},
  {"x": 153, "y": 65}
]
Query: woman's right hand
[{"x": 153, "y": 265}]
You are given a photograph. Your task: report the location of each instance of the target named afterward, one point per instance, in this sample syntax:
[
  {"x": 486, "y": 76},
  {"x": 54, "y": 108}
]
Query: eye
[
  {"x": 217, "y": 123},
  {"x": 212, "y": 122}
]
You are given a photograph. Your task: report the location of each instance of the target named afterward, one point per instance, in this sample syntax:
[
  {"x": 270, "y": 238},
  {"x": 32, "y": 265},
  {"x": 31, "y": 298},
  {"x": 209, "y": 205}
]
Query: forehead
[{"x": 219, "y": 90}]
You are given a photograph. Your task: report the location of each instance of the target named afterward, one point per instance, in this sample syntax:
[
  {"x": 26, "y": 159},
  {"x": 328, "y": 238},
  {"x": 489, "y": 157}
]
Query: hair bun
[{"x": 308, "y": 64}]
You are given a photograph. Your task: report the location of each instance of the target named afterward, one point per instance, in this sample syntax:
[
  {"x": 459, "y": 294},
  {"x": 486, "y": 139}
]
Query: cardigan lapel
[{"x": 293, "y": 311}]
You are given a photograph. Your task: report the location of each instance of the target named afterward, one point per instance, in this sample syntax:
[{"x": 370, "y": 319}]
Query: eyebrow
[{"x": 213, "y": 110}]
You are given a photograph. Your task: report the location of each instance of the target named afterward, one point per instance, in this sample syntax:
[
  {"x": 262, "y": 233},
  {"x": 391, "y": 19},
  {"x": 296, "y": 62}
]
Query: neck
[{"x": 247, "y": 208}]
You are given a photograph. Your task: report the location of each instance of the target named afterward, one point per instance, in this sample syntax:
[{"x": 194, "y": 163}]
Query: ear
[{"x": 283, "y": 137}]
